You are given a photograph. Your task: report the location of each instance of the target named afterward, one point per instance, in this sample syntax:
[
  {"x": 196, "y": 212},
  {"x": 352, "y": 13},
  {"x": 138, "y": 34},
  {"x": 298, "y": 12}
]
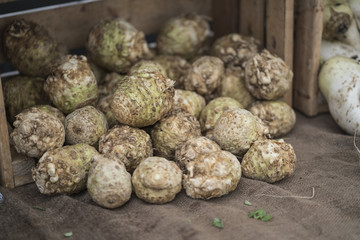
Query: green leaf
[
  {"x": 247, "y": 203},
  {"x": 217, "y": 222},
  {"x": 266, "y": 218},
  {"x": 260, "y": 214},
  {"x": 39, "y": 208},
  {"x": 68, "y": 234}
]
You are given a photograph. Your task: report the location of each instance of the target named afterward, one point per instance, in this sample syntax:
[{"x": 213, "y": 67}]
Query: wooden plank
[
  {"x": 22, "y": 180},
  {"x": 6, "y": 171},
  {"x": 307, "y": 55},
  {"x": 225, "y": 17},
  {"x": 21, "y": 164},
  {"x": 252, "y": 19},
  {"x": 70, "y": 25},
  {"x": 279, "y": 32}
]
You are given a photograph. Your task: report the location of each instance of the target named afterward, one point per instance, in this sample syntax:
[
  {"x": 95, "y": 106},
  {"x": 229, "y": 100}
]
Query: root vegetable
[
  {"x": 278, "y": 116},
  {"x": 337, "y": 18},
  {"x": 186, "y": 35},
  {"x": 109, "y": 184},
  {"x": 132, "y": 143},
  {"x": 142, "y": 99},
  {"x": 22, "y": 92},
  {"x": 267, "y": 76},
  {"x": 339, "y": 83},
  {"x": 36, "y": 131},
  {"x": 116, "y": 45},
  {"x": 192, "y": 148},
  {"x": 54, "y": 111},
  {"x": 189, "y": 101},
  {"x": 204, "y": 76},
  {"x": 233, "y": 85},
  {"x": 175, "y": 66},
  {"x": 269, "y": 161},
  {"x": 85, "y": 125},
  {"x": 237, "y": 129},
  {"x": 157, "y": 180},
  {"x": 63, "y": 170},
  {"x": 71, "y": 84},
  {"x": 213, "y": 110},
  {"x": 30, "y": 48},
  {"x": 99, "y": 72},
  {"x": 173, "y": 131},
  {"x": 109, "y": 84},
  {"x": 331, "y": 49},
  {"x": 234, "y": 49},
  {"x": 212, "y": 175},
  {"x": 339, "y": 23},
  {"x": 148, "y": 66},
  {"x": 104, "y": 105}
]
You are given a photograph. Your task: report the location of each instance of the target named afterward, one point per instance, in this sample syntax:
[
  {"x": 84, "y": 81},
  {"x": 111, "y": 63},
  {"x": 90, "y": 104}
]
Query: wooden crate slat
[
  {"x": 280, "y": 31},
  {"x": 225, "y": 17},
  {"x": 70, "y": 25},
  {"x": 6, "y": 171},
  {"x": 252, "y": 19},
  {"x": 21, "y": 164},
  {"x": 22, "y": 180},
  {"x": 307, "y": 51}
]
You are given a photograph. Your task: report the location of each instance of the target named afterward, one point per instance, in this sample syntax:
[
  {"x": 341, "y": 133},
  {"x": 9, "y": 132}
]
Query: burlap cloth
[{"x": 326, "y": 161}]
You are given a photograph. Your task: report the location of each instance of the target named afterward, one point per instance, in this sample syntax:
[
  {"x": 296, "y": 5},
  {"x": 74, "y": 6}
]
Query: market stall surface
[{"x": 327, "y": 162}]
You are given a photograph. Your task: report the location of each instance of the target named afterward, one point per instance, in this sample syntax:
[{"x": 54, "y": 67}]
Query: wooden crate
[
  {"x": 270, "y": 21},
  {"x": 308, "y": 29}
]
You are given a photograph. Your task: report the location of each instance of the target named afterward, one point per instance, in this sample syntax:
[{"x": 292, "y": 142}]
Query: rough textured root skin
[
  {"x": 157, "y": 180},
  {"x": 237, "y": 129},
  {"x": 277, "y": 115},
  {"x": 212, "y": 175},
  {"x": 233, "y": 85},
  {"x": 99, "y": 72},
  {"x": 36, "y": 131},
  {"x": 337, "y": 17},
  {"x": 147, "y": 66},
  {"x": 143, "y": 99},
  {"x": 234, "y": 49},
  {"x": 339, "y": 83},
  {"x": 109, "y": 84},
  {"x": 104, "y": 105},
  {"x": 71, "y": 84},
  {"x": 109, "y": 184},
  {"x": 189, "y": 101},
  {"x": 185, "y": 35},
  {"x": 132, "y": 143},
  {"x": 267, "y": 76},
  {"x": 269, "y": 161},
  {"x": 339, "y": 23},
  {"x": 173, "y": 131},
  {"x": 63, "y": 170},
  {"x": 21, "y": 92},
  {"x": 85, "y": 125},
  {"x": 176, "y": 67},
  {"x": 213, "y": 110},
  {"x": 116, "y": 45},
  {"x": 190, "y": 150},
  {"x": 53, "y": 111},
  {"x": 204, "y": 76},
  {"x": 30, "y": 48}
]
